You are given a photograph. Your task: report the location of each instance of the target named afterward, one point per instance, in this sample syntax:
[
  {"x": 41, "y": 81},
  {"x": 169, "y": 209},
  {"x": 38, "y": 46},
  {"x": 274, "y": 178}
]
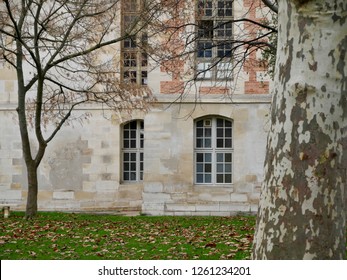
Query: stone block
[
  {"x": 44, "y": 195},
  {"x": 251, "y": 178},
  {"x": 179, "y": 196},
  {"x": 201, "y": 213},
  {"x": 183, "y": 213},
  {"x": 83, "y": 196},
  {"x": 234, "y": 207},
  {"x": 178, "y": 207},
  {"x": 222, "y": 214},
  {"x": 16, "y": 186},
  {"x": 5, "y": 182},
  {"x": 130, "y": 195},
  {"x": 207, "y": 207},
  {"x": 153, "y": 187},
  {"x": 220, "y": 196},
  {"x": 89, "y": 187},
  {"x": 63, "y": 195},
  {"x": 153, "y": 207},
  {"x": 238, "y": 197},
  {"x": 9, "y": 195},
  {"x": 254, "y": 197},
  {"x": 244, "y": 187},
  {"x": 156, "y": 197},
  {"x": 106, "y": 186}
]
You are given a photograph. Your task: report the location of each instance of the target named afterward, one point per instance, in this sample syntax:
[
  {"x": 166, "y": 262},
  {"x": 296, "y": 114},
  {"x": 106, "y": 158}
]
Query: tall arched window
[
  {"x": 132, "y": 151},
  {"x": 213, "y": 151}
]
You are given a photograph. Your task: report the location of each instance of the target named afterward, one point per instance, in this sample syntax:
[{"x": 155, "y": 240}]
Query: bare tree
[
  {"x": 64, "y": 54},
  {"x": 194, "y": 38},
  {"x": 303, "y": 200}
]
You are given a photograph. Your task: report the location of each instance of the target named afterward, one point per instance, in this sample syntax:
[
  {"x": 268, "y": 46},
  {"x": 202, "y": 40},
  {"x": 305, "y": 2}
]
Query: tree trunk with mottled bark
[{"x": 302, "y": 206}]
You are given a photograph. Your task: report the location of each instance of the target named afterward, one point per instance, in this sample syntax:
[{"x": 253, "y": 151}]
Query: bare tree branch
[{"x": 271, "y": 5}]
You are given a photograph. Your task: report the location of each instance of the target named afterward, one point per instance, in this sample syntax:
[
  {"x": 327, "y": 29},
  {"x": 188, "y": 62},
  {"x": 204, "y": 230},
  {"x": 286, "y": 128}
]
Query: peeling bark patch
[
  {"x": 285, "y": 69},
  {"x": 341, "y": 68},
  {"x": 313, "y": 67}
]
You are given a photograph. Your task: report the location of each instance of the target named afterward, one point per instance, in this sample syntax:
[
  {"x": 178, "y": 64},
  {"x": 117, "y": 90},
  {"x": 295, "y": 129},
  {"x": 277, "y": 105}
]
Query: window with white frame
[
  {"x": 213, "y": 151},
  {"x": 214, "y": 36},
  {"x": 132, "y": 151},
  {"x": 134, "y": 57}
]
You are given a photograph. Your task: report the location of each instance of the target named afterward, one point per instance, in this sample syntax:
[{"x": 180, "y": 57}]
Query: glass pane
[
  {"x": 133, "y": 166},
  {"x": 220, "y": 178},
  {"x": 200, "y": 157},
  {"x": 126, "y": 144},
  {"x": 228, "y": 168},
  {"x": 126, "y": 176},
  {"x": 227, "y": 178},
  {"x": 199, "y": 132},
  {"x": 199, "y": 178},
  {"x": 205, "y": 29},
  {"x": 199, "y": 143},
  {"x": 208, "y": 157},
  {"x": 133, "y": 134},
  {"x": 220, "y": 132},
  {"x": 207, "y": 143},
  {"x": 220, "y": 168},
  {"x": 133, "y": 176},
  {"x": 220, "y": 143},
  {"x": 199, "y": 167},
  {"x": 126, "y": 157},
  {"x": 208, "y": 132},
  {"x": 220, "y": 123},
  {"x": 200, "y": 123},
  {"x": 228, "y": 132},
  {"x": 227, "y": 143},
  {"x": 228, "y": 157},
  {"x": 126, "y": 166},
  {"x": 208, "y": 168},
  {"x": 133, "y": 144},
  {"x": 208, "y": 178},
  {"x": 133, "y": 125},
  {"x": 133, "y": 157},
  {"x": 220, "y": 157}
]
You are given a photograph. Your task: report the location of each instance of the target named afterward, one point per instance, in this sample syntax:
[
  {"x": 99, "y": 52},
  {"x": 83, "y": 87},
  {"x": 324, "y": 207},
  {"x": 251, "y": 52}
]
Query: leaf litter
[{"x": 80, "y": 236}]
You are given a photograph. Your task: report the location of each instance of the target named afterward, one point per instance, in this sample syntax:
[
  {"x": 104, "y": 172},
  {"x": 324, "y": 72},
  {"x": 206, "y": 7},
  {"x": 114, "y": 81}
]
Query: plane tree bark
[{"x": 302, "y": 206}]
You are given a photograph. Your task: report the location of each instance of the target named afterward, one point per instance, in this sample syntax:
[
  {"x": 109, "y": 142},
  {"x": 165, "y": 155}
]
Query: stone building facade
[{"x": 198, "y": 156}]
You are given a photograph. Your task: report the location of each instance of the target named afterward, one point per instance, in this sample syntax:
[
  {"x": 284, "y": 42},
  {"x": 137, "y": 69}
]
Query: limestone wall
[
  {"x": 82, "y": 166},
  {"x": 169, "y": 187}
]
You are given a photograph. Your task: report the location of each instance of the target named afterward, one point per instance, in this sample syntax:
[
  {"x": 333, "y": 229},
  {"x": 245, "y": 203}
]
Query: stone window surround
[
  {"x": 133, "y": 58},
  {"x": 132, "y": 139},
  {"x": 214, "y": 151},
  {"x": 210, "y": 64}
]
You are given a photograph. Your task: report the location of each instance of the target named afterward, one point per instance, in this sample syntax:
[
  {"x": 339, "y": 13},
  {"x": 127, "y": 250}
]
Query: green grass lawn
[{"x": 82, "y": 236}]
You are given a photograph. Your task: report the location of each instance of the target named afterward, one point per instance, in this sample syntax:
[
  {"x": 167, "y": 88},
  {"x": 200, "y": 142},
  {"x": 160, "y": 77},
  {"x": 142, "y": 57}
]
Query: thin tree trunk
[
  {"x": 31, "y": 207},
  {"x": 302, "y": 206}
]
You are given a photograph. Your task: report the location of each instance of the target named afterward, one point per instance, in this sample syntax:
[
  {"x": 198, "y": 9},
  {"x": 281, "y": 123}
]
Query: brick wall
[{"x": 252, "y": 64}]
